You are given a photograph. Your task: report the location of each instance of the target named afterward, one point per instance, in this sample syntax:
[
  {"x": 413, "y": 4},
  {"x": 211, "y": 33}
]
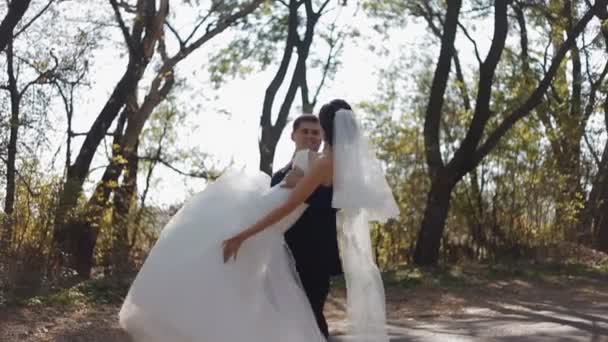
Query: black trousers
[{"x": 316, "y": 285}]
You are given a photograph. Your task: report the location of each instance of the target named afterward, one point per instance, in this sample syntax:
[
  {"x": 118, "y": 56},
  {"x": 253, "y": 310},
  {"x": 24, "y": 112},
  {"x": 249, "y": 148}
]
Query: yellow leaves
[
  {"x": 41, "y": 64},
  {"x": 120, "y": 160},
  {"x": 605, "y": 25},
  {"x": 166, "y": 74},
  {"x": 112, "y": 184}
]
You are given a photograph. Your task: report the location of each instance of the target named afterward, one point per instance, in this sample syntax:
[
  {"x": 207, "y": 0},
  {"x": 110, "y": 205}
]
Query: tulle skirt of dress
[{"x": 185, "y": 293}]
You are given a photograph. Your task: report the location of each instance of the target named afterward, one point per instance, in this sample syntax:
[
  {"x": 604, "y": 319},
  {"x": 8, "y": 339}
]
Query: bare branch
[
  {"x": 587, "y": 58},
  {"x": 176, "y": 34},
  {"x": 594, "y": 154},
  {"x": 551, "y": 131},
  {"x": 220, "y": 26},
  {"x": 159, "y": 159},
  {"x": 162, "y": 48},
  {"x": 595, "y": 85},
  {"x": 43, "y": 76},
  {"x": 127, "y": 7},
  {"x": 153, "y": 164},
  {"x": 523, "y": 39},
  {"x": 27, "y": 185},
  {"x": 537, "y": 96},
  {"x": 203, "y": 20},
  {"x": 546, "y": 54},
  {"x": 334, "y": 45},
  {"x": 38, "y": 15},
  {"x": 466, "y": 33},
  {"x": 429, "y": 14},
  {"x": 318, "y": 13},
  {"x": 487, "y": 72},
  {"x": 123, "y": 27},
  {"x": 435, "y": 103}
]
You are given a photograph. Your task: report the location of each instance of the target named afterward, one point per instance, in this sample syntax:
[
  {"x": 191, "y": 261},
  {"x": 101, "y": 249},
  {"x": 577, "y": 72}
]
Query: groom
[{"x": 313, "y": 238}]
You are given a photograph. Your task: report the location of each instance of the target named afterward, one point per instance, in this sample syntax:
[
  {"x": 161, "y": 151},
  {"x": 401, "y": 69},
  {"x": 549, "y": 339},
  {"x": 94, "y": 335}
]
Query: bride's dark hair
[{"x": 327, "y": 115}]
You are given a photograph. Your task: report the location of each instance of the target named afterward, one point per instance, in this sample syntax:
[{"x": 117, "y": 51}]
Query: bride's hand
[{"x": 232, "y": 245}]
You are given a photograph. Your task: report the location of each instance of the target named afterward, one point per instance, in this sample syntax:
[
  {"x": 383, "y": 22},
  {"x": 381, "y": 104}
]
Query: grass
[
  {"x": 463, "y": 275},
  {"x": 106, "y": 291},
  {"x": 90, "y": 292},
  {"x": 547, "y": 271}
]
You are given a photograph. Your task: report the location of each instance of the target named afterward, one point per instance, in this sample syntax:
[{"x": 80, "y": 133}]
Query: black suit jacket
[{"x": 313, "y": 238}]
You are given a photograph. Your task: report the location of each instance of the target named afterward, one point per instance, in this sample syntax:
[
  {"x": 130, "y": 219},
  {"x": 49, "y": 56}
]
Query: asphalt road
[{"x": 515, "y": 323}]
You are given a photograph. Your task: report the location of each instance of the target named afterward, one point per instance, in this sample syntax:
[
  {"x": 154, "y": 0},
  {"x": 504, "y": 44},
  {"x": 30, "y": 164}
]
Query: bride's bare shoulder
[
  {"x": 312, "y": 156},
  {"x": 322, "y": 161}
]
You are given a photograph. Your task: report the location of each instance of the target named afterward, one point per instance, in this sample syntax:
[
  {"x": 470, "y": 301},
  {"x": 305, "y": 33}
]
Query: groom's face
[{"x": 307, "y": 135}]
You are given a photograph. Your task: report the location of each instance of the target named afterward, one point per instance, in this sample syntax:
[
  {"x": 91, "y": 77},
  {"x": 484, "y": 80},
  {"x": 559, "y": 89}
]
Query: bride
[{"x": 221, "y": 271}]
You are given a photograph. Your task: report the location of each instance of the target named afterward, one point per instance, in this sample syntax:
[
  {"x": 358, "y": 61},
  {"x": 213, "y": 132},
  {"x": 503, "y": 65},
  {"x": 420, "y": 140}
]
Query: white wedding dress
[{"x": 184, "y": 292}]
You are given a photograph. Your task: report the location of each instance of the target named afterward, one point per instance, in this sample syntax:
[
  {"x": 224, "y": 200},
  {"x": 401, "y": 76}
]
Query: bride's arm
[{"x": 320, "y": 170}]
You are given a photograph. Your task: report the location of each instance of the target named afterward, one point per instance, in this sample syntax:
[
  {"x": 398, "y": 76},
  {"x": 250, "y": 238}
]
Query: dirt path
[
  {"x": 514, "y": 310},
  {"x": 503, "y": 311}
]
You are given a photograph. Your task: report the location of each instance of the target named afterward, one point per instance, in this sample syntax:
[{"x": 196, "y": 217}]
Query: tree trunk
[
  {"x": 570, "y": 192},
  {"x": 141, "y": 43},
  {"x": 65, "y": 221},
  {"x": 124, "y": 149},
  {"x": 477, "y": 218},
  {"x": 602, "y": 236},
  {"x": 595, "y": 218},
  {"x": 600, "y": 213},
  {"x": 566, "y": 124},
  {"x": 78, "y": 171},
  {"x": 9, "y": 201},
  {"x": 98, "y": 203},
  {"x": 125, "y": 197},
  {"x": 267, "y": 146},
  {"x": 270, "y": 133},
  {"x": 16, "y": 10},
  {"x": 428, "y": 244},
  {"x": 438, "y": 200},
  {"x": 592, "y": 220}
]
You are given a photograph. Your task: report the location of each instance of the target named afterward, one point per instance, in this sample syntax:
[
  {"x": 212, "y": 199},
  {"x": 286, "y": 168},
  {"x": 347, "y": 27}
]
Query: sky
[
  {"x": 234, "y": 137},
  {"x": 224, "y": 122}
]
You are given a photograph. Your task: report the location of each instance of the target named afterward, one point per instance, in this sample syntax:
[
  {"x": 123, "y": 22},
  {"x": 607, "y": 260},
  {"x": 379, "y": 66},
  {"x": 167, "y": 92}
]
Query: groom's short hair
[{"x": 304, "y": 118}]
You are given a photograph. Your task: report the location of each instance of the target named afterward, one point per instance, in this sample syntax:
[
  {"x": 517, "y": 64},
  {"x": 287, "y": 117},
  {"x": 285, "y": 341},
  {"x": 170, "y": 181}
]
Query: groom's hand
[{"x": 292, "y": 178}]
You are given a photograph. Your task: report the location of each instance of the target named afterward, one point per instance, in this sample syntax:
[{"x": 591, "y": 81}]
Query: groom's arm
[
  {"x": 278, "y": 177},
  {"x": 317, "y": 198}
]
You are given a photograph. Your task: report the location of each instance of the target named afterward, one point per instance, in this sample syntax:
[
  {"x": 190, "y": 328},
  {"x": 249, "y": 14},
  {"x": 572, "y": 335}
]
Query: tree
[
  {"x": 17, "y": 89},
  {"x": 595, "y": 213},
  {"x": 473, "y": 148},
  {"x": 271, "y": 133},
  {"x": 147, "y": 27},
  {"x": 565, "y": 113},
  {"x": 286, "y": 28},
  {"x": 133, "y": 116},
  {"x": 125, "y": 159}
]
